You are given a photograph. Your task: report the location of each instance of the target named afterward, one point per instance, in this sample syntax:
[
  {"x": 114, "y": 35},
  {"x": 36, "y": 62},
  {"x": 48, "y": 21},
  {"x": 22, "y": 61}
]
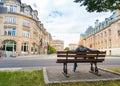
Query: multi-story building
[
  {"x": 72, "y": 46},
  {"x": 58, "y": 44},
  {"x": 21, "y": 31},
  {"x": 105, "y": 35}
]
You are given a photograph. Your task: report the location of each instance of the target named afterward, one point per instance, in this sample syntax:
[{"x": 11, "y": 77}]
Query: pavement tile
[{"x": 55, "y": 75}]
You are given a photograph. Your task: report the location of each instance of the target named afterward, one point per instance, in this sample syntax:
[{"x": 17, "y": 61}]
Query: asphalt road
[{"x": 40, "y": 61}]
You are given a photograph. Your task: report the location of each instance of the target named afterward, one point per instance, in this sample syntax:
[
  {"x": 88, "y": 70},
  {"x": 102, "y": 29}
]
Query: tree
[
  {"x": 1, "y": 48},
  {"x": 51, "y": 49},
  {"x": 99, "y": 5},
  {"x": 67, "y": 48}
]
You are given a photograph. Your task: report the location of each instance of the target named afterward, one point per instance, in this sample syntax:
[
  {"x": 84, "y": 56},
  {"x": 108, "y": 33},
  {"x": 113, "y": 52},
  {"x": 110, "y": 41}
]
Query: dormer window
[
  {"x": 26, "y": 12},
  {"x": 21, "y": 9},
  {"x": 12, "y": 8},
  {"x": 107, "y": 21}
]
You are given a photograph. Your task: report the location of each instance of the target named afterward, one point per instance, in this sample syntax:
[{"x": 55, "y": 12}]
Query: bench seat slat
[
  {"x": 64, "y": 52},
  {"x": 63, "y": 55},
  {"x": 79, "y": 60}
]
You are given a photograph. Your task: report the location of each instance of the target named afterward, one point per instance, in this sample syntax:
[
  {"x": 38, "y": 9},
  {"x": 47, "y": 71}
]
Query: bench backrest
[{"x": 81, "y": 56}]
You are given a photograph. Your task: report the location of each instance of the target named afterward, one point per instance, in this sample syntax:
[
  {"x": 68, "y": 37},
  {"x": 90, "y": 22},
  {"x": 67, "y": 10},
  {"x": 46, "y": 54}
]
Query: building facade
[
  {"x": 58, "y": 45},
  {"x": 21, "y": 32},
  {"x": 105, "y": 35},
  {"x": 72, "y": 46}
]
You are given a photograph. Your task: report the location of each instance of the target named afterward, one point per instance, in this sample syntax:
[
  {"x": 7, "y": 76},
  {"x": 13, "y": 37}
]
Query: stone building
[
  {"x": 58, "y": 45},
  {"x": 72, "y": 46},
  {"x": 21, "y": 32},
  {"x": 105, "y": 35}
]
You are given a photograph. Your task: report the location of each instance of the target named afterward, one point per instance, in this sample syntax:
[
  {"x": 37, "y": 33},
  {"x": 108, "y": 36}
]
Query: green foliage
[
  {"x": 1, "y": 48},
  {"x": 21, "y": 78},
  {"x": 115, "y": 69},
  {"x": 99, "y": 5},
  {"x": 67, "y": 48},
  {"x": 51, "y": 49}
]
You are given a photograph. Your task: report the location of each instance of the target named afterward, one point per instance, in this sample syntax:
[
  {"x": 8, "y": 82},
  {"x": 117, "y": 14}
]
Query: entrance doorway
[{"x": 9, "y": 46}]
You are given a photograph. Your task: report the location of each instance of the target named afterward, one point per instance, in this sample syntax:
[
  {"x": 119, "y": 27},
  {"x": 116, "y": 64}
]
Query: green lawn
[
  {"x": 35, "y": 78},
  {"x": 21, "y": 78}
]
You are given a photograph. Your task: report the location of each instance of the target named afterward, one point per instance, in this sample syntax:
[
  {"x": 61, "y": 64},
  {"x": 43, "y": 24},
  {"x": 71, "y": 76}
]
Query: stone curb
[
  {"x": 110, "y": 71},
  {"x": 45, "y": 76},
  {"x": 85, "y": 80}
]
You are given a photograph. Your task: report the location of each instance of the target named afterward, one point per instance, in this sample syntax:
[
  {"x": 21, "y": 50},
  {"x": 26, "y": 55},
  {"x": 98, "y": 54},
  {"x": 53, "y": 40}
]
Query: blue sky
[{"x": 64, "y": 19}]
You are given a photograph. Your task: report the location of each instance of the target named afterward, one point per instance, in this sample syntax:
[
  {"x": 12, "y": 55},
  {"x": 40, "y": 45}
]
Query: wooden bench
[{"x": 81, "y": 57}]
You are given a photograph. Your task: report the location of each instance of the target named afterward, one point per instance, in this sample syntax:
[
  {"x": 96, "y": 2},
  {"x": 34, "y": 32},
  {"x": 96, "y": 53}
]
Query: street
[{"x": 40, "y": 61}]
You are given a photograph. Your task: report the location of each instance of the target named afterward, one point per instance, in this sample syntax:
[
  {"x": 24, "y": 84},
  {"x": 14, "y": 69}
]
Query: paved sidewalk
[
  {"x": 55, "y": 75},
  {"x": 41, "y": 56}
]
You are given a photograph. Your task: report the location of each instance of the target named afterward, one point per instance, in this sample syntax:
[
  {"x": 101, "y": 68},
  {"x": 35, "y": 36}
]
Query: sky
[{"x": 64, "y": 19}]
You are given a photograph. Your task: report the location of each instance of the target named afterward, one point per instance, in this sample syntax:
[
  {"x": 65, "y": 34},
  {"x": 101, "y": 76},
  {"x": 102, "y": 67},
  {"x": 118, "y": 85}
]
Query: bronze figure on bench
[
  {"x": 81, "y": 48},
  {"x": 81, "y": 55}
]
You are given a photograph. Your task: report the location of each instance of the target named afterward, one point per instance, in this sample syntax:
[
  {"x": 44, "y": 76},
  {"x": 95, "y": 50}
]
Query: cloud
[
  {"x": 55, "y": 14},
  {"x": 34, "y": 5},
  {"x": 64, "y": 18}
]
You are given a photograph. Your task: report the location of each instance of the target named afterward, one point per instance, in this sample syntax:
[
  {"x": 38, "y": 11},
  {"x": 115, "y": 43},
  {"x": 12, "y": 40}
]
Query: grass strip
[{"x": 35, "y": 78}]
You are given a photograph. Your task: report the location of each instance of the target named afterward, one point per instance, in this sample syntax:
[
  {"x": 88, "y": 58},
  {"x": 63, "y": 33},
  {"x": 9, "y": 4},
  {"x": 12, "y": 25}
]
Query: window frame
[
  {"x": 12, "y": 8},
  {"x": 25, "y": 34},
  {"x": 10, "y": 19},
  {"x": 24, "y": 47},
  {"x": 10, "y": 31}
]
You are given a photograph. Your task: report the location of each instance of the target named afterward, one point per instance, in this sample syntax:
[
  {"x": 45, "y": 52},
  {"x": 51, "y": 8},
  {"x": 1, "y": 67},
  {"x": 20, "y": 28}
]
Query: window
[
  {"x": 26, "y": 23},
  {"x": 1, "y": 6},
  {"x": 9, "y": 46},
  {"x": 1, "y": 0},
  {"x": 12, "y": 8},
  {"x": 25, "y": 34},
  {"x": 21, "y": 9},
  {"x": 24, "y": 47},
  {"x": 26, "y": 12},
  {"x": 99, "y": 26},
  {"x": 112, "y": 17},
  {"x": 10, "y": 31},
  {"x": 107, "y": 21},
  {"x": 9, "y": 19},
  {"x": 102, "y": 25}
]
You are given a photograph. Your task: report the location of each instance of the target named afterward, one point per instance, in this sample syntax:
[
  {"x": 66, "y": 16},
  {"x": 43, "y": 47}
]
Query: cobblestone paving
[{"x": 55, "y": 75}]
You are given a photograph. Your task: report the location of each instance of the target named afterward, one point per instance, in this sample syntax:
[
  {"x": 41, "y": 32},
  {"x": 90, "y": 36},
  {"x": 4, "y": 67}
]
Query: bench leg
[
  {"x": 91, "y": 68},
  {"x": 65, "y": 69},
  {"x": 96, "y": 68}
]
